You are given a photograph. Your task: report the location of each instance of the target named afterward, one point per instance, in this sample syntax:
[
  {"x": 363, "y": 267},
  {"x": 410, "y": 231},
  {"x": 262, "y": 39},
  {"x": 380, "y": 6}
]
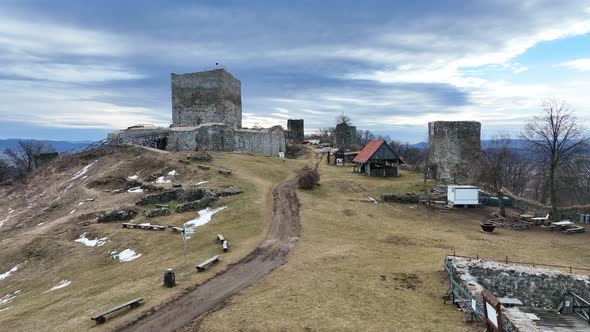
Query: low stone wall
[
  {"x": 403, "y": 199},
  {"x": 207, "y": 137},
  {"x": 534, "y": 287},
  {"x": 263, "y": 141}
]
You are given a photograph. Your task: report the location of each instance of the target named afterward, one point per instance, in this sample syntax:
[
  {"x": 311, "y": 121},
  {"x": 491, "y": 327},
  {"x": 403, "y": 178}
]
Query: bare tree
[
  {"x": 364, "y": 136},
  {"x": 496, "y": 162},
  {"x": 557, "y": 137},
  {"x": 343, "y": 119},
  {"x": 23, "y": 156},
  {"x": 4, "y": 170}
]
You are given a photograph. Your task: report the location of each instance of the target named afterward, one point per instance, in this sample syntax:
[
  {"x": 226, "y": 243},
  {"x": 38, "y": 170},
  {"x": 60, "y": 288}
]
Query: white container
[{"x": 462, "y": 195}]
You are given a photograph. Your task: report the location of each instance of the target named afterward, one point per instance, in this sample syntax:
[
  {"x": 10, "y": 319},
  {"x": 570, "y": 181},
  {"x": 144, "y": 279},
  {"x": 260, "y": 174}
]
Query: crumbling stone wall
[
  {"x": 212, "y": 137},
  {"x": 295, "y": 130},
  {"x": 206, "y": 97},
  {"x": 344, "y": 135},
  {"x": 534, "y": 287},
  {"x": 269, "y": 142},
  {"x": 454, "y": 147}
]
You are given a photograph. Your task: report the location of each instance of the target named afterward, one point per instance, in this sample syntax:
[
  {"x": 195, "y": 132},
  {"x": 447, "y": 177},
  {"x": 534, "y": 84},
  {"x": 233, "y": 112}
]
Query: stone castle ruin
[
  {"x": 454, "y": 147},
  {"x": 344, "y": 135},
  {"x": 295, "y": 130},
  {"x": 206, "y": 116}
]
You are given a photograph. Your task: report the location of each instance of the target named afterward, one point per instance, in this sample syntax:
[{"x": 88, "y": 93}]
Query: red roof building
[{"x": 377, "y": 158}]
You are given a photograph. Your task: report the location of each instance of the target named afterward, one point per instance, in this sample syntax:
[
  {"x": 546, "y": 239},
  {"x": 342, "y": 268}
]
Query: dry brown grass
[
  {"x": 377, "y": 267},
  {"x": 98, "y": 282}
]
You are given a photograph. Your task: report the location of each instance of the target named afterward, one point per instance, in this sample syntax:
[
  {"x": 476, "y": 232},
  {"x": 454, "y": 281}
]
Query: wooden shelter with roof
[{"x": 377, "y": 158}]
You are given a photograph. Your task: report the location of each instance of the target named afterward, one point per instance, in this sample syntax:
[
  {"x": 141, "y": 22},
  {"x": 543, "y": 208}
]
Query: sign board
[
  {"x": 339, "y": 161},
  {"x": 492, "y": 312},
  {"x": 492, "y": 315}
]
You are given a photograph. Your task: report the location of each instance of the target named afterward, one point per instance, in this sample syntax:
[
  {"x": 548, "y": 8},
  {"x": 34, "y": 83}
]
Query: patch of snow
[
  {"x": 135, "y": 190},
  {"x": 202, "y": 182},
  {"x": 62, "y": 284},
  {"x": 9, "y": 272},
  {"x": 83, "y": 171},
  {"x": 162, "y": 179},
  {"x": 203, "y": 218},
  {"x": 80, "y": 203},
  {"x": 72, "y": 211},
  {"x": 11, "y": 211},
  {"x": 91, "y": 242},
  {"x": 173, "y": 172},
  {"x": 41, "y": 224},
  {"x": 8, "y": 297},
  {"x": 126, "y": 255},
  {"x": 66, "y": 188},
  {"x": 3, "y": 221},
  {"x": 133, "y": 177},
  {"x": 5, "y": 309}
]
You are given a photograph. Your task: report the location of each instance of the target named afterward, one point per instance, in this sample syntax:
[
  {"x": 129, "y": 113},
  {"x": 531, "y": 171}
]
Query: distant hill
[
  {"x": 58, "y": 146},
  {"x": 521, "y": 146}
]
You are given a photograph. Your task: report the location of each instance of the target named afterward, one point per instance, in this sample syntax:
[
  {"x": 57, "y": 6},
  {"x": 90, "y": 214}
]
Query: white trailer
[{"x": 462, "y": 195}]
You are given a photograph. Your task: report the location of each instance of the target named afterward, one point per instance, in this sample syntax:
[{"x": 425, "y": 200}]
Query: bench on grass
[
  {"x": 100, "y": 318},
  {"x": 177, "y": 229},
  {"x": 220, "y": 238},
  {"x": 225, "y": 246},
  {"x": 206, "y": 264}
]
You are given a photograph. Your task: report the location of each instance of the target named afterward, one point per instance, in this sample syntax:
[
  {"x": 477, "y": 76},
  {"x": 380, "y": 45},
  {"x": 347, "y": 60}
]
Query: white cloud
[
  {"x": 64, "y": 105},
  {"x": 37, "y": 36},
  {"x": 61, "y": 72},
  {"x": 578, "y": 64}
]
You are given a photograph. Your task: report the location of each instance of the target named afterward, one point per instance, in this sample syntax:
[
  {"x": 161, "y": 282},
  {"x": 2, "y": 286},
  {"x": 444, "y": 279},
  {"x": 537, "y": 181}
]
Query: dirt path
[{"x": 270, "y": 253}]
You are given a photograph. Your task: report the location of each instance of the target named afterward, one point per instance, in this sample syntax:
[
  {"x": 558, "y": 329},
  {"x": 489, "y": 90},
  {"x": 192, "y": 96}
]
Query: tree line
[{"x": 554, "y": 170}]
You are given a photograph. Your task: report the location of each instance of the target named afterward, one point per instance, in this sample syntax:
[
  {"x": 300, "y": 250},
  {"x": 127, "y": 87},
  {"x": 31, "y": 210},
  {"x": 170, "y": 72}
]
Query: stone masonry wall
[
  {"x": 263, "y": 141},
  {"x": 206, "y": 97},
  {"x": 534, "y": 287},
  {"x": 454, "y": 147},
  {"x": 344, "y": 135},
  {"x": 295, "y": 130}
]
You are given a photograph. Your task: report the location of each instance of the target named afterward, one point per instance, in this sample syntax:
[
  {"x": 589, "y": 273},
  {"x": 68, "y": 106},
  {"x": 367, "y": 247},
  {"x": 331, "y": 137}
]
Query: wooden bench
[
  {"x": 100, "y": 318},
  {"x": 225, "y": 246},
  {"x": 220, "y": 238},
  {"x": 177, "y": 229},
  {"x": 139, "y": 226},
  {"x": 574, "y": 229},
  {"x": 206, "y": 264}
]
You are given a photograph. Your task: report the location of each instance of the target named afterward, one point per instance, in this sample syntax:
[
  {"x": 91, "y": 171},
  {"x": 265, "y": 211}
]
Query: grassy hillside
[
  {"x": 39, "y": 235},
  {"x": 360, "y": 266}
]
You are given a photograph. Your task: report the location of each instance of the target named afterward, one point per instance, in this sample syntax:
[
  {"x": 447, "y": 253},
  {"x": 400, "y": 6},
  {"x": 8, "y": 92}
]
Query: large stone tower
[
  {"x": 344, "y": 135},
  {"x": 454, "y": 148},
  {"x": 295, "y": 130},
  {"x": 206, "y": 97}
]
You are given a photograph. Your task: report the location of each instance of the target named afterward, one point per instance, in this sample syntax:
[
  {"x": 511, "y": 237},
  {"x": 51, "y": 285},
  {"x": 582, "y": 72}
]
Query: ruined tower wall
[
  {"x": 344, "y": 135},
  {"x": 206, "y": 97},
  {"x": 454, "y": 147},
  {"x": 295, "y": 130},
  {"x": 269, "y": 142}
]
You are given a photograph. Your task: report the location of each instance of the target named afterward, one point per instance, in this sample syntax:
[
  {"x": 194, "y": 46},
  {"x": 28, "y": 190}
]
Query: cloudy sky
[{"x": 77, "y": 69}]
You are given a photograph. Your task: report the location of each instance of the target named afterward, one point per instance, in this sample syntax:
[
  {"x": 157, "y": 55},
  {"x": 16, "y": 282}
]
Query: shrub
[{"x": 308, "y": 178}]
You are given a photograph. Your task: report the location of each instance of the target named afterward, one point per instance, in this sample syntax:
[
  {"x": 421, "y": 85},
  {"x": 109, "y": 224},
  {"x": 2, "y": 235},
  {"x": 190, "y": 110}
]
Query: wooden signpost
[{"x": 492, "y": 312}]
